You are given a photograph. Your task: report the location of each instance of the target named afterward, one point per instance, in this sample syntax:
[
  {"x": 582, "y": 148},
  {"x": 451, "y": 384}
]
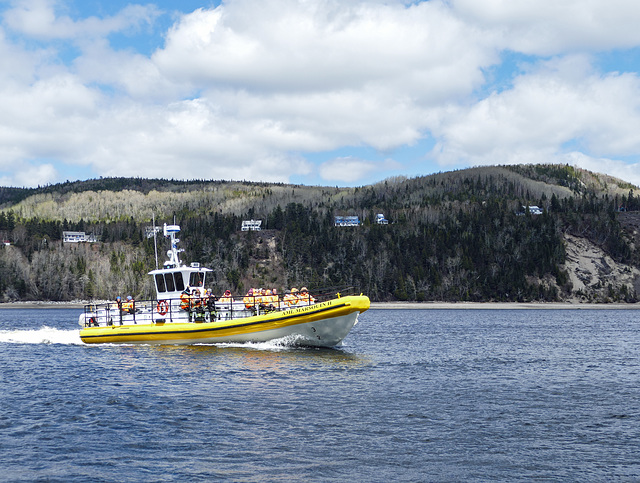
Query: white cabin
[
  {"x": 77, "y": 237},
  {"x": 347, "y": 221},
  {"x": 175, "y": 277},
  {"x": 251, "y": 225},
  {"x": 533, "y": 209}
]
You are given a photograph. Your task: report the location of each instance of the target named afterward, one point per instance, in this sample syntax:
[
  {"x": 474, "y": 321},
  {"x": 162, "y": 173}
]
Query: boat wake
[
  {"x": 44, "y": 335},
  {"x": 50, "y": 335},
  {"x": 282, "y": 344}
]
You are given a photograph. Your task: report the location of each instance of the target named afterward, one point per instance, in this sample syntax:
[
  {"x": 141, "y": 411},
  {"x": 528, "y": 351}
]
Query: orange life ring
[{"x": 163, "y": 307}]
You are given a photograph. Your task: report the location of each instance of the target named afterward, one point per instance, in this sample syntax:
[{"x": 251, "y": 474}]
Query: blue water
[{"x": 412, "y": 395}]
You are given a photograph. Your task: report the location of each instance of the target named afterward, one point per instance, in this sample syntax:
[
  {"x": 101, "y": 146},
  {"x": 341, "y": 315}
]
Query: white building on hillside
[
  {"x": 533, "y": 209},
  {"x": 251, "y": 225},
  {"x": 78, "y": 237},
  {"x": 347, "y": 221}
]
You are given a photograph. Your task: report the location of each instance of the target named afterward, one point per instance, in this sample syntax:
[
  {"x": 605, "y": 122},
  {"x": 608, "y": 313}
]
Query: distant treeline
[{"x": 461, "y": 236}]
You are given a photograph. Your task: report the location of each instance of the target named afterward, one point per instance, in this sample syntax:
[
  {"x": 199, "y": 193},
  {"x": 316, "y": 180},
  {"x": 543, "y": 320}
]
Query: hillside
[{"x": 462, "y": 235}]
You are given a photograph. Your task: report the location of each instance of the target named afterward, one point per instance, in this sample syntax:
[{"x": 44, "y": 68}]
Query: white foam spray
[
  {"x": 283, "y": 343},
  {"x": 44, "y": 335}
]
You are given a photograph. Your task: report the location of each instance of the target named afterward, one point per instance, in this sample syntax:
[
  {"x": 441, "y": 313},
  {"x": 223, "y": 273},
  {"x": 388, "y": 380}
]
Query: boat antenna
[
  {"x": 170, "y": 232},
  {"x": 155, "y": 242}
]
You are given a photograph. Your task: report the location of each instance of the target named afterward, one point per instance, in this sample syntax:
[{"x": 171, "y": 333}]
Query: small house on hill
[
  {"x": 347, "y": 221},
  {"x": 78, "y": 237},
  {"x": 251, "y": 225},
  {"x": 533, "y": 210}
]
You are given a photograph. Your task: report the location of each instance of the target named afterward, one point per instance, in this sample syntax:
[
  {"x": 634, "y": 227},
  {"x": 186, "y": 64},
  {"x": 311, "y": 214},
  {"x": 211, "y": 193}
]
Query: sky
[{"x": 315, "y": 92}]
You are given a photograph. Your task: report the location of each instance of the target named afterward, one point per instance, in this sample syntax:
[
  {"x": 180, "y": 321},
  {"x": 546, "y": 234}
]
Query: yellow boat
[{"x": 183, "y": 313}]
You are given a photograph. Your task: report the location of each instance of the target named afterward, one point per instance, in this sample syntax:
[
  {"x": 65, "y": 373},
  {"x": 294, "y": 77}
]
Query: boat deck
[{"x": 177, "y": 311}]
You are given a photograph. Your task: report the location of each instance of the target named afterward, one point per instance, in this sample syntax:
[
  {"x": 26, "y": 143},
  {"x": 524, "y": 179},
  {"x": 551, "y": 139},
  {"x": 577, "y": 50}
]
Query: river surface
[{"x": 411, "y": 395}]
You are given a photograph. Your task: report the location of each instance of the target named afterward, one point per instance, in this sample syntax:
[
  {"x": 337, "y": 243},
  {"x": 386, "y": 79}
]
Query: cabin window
[
  {"x": 196, "y": 279},
  {"x": 170, "y": 285},
  {"x": 179, "y": 281},
  {"x": 160, "y": 283}
]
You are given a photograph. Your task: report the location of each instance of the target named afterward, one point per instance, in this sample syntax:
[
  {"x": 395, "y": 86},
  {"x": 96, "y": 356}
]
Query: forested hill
[{"x": 466, "y": 235}]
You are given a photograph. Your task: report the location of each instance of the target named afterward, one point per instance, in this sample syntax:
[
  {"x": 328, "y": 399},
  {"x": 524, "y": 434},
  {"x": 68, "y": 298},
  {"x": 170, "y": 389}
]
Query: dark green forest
[{"x": 461, "y": 236}]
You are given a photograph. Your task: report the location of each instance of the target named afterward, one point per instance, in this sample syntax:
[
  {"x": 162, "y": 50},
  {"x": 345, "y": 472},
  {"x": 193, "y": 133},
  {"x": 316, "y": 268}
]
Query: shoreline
[
  {"x": 502, "y": 306},
  {"x": 392, "y": 305},
  {"x": 42, "y": 305}
]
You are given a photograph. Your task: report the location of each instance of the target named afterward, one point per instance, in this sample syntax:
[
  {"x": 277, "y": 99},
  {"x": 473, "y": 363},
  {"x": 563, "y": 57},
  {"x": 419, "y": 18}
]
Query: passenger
[
  {"x": 126, "y": 304},
  {"x": 118, "y": 306},
  {"x": 249, "y": 299},
  {"x": 269, "y": 301},
  {"x": 296, "y": 295},
  {"x": 305, "y": 297},
  {"x": 185, "y": 299},
  {"x": 257, "y": 297},
  {"x": 275, "y": 298},
  {"x": 130, "y": 305},
  {"x": 225, "y": 302},
  {"x": 290, "y": 299},
  {"x": 198, "y": 302},
  {"x": 211, "y": 301},
  {"x": 198, "y": 299}
]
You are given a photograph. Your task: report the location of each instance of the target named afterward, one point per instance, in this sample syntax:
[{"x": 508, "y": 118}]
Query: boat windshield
[
  {"x": 160, "y": 286},
  {"x": 196, "y": 279},
  {"x": 169, "y": 282},
  {"x": 179, "y": 282}
]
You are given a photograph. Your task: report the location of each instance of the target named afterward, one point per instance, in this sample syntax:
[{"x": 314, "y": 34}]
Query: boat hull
[{"x": 324, "y": 324}]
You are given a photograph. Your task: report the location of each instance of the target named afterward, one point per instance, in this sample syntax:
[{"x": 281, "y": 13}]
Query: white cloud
[
  {"x": 551, "y": 27},
  {"x": 546, "y": 110},
  {"x": 349, "y": 169},
  {"x": 30, "y": 176},
  {"x": 17, "y": 66},
  {"x": 46, "y": 119},
  {"x": 129, "y": 74},
  {"x": 273, "y": 79},
  {"x": 629, "y": 172},
  {"x": 308, "y": 76},
  {"x": 184, "y": 140},
  {"x": 290, "y": 46},
  {"x": 42, "y": 19},
  {"x": 246, "y": 89}
]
